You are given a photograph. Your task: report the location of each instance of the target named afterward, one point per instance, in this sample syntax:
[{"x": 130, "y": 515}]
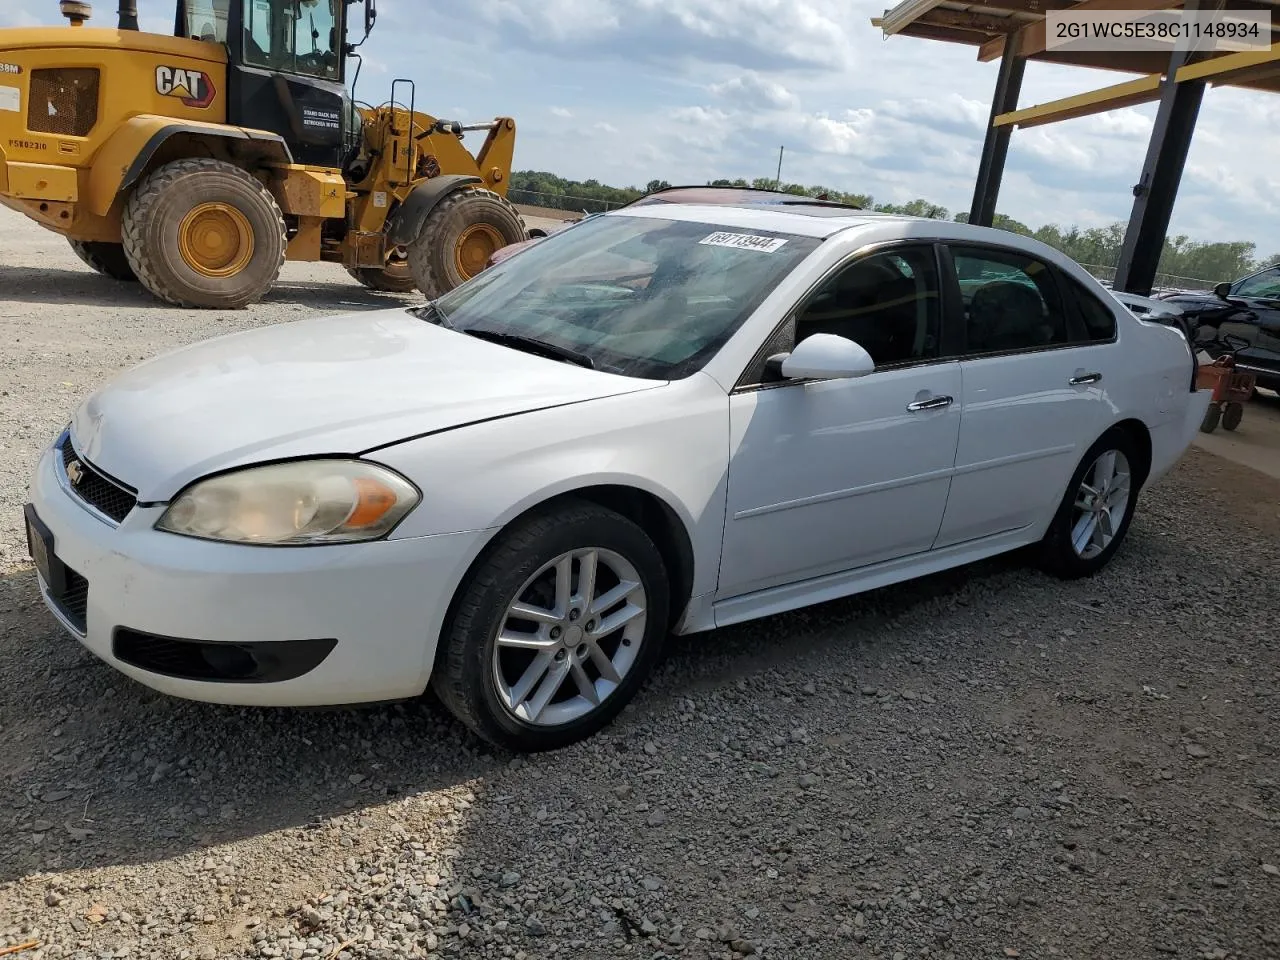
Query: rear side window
[{"x": 1011, "y": 302}]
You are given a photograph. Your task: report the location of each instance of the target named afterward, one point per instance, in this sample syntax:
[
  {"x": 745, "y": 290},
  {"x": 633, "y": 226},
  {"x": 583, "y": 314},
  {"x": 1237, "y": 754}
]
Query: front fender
[
  {"x": 124, "y": 158},
  {"x": 406, "y": 222}
]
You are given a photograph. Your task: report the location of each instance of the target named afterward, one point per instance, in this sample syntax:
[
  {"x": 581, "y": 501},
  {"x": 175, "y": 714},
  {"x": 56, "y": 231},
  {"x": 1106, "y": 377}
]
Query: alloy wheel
[
  {"x": 1100, "y": 504},
  {"x": 570, "y": 636}
]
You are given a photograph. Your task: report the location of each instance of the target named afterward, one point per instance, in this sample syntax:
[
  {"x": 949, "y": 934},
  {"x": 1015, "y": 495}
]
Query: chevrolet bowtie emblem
[{"x": 75, "y": 472}]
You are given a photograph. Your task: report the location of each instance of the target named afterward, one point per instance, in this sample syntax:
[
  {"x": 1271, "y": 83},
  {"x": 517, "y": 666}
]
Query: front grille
[
  {"x": 63, "y": 101},
  {"x": 104, "y": 493},
  {"x": 75, "y": 601}
]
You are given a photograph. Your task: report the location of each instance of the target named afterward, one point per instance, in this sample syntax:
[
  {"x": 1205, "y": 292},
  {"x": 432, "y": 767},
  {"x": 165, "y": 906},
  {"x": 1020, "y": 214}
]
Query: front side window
[
  {"x": 889, "y": 303},
  {"x": 637, "y": 295},
  {"x": 1265, "y": 285},
  {"x": 207, "y": 20},
  {"x": 1010, "y": 301},
  {"x": 293, "y": 36}
]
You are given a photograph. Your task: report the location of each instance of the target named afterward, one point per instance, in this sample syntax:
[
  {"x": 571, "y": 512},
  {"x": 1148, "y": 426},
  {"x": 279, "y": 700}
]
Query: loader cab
[{"x": 286, "y": 68}]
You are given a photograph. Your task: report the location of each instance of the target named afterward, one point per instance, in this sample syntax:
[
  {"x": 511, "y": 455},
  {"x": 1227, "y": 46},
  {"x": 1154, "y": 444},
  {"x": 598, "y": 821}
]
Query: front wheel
[
  {"x": 204, "y": 233},
  {"x": 1094, "y": 515},
  {"x": 464, "y": 230},
  {"x": 1232, "y": 416},
  {"x": 555, "y": 630}
]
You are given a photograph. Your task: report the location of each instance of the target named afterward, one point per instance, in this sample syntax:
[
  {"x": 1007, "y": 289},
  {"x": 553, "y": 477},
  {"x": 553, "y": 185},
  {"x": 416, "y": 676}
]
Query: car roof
[{"x": 815, "y": 218}]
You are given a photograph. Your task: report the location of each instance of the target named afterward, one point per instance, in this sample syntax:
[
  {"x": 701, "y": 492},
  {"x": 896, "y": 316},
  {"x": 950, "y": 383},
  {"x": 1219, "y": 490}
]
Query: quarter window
[
  {"x": 1099, "y": 322},
  {"x": 1010, "y": 301},
  {"x": 207, "y": 20},
  {"x": 889, "y": 303}
]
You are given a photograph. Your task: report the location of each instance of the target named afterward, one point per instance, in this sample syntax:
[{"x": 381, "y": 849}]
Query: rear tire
[
  {"x": 206, "y": 234},
  {"x": 459, "y": 236},
  {"x": 480, "y": 681},
  {"x": 108, "y": 259},
  {"x": 1066, "y": 552}
]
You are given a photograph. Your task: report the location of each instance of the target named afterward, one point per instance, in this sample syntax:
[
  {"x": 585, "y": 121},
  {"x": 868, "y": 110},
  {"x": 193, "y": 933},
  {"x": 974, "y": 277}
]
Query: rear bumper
[{"x": 1170, "y": 440}]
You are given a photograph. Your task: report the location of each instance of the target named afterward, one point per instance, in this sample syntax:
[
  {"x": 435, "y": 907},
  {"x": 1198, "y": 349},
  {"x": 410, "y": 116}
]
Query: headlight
[{"x": 306, "y": 502}]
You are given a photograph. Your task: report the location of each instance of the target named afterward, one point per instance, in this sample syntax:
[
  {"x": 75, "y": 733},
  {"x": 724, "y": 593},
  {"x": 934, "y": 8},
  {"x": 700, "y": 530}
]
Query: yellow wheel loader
[{"x": 199, "y": 163}]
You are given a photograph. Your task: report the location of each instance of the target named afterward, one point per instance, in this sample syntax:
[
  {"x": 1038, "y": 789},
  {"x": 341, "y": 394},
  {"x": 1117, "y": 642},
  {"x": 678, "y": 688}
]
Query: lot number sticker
[
  {"x": 744, "y": 241},
  {"x": 11, "y": 99}
]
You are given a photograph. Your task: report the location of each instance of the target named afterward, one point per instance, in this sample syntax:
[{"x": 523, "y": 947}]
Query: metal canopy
[
  {"x": 1014, "y": 32},
  {"x": 991, "y": 26}
]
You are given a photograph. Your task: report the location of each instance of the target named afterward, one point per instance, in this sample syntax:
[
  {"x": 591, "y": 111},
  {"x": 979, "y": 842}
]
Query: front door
[
  {"x": 1039, "y": 356},
  {"x": 830, "y": 475}
]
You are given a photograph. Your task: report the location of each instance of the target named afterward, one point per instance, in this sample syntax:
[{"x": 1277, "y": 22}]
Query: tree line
[{"x": 1096, "y": 247}]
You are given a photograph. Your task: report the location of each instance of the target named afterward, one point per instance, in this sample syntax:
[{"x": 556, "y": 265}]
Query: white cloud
[
  {"x": 562, "y": 112},
  {"x": 754, "y": 92}
]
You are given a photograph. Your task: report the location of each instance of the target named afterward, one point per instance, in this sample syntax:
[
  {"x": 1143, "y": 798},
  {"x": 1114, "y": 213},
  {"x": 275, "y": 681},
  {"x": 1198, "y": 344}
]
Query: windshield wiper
[
  {"x": 533, "y": 345},
  {"x": 432, "y": 313}
]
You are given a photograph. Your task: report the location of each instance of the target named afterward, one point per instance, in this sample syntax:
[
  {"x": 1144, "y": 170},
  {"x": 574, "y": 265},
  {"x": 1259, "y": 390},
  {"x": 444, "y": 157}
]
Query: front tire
[
  {"x": 1232, "y": 416},
  {"x": 463, "y": 231},
  {"x": 206, "y": 234},
  {"x": 108, "y": 259},
  {"x": 555, "y": 630},
  {"x": 1094, "y": 516}
]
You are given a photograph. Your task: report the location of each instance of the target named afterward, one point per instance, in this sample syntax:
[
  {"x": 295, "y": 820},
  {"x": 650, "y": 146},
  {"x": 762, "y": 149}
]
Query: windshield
[
  {"x": 640, "y": 296},
  {"x": 294, "y": 36}
]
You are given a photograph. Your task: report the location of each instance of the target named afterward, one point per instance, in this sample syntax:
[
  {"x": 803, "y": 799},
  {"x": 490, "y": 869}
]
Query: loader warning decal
[{"x": 192, "y": 87}]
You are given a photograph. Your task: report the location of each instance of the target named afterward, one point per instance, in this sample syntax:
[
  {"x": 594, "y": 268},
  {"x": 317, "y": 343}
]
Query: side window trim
[
  {"x": 746, "y": 381},
  {"x": 1055, "y": 283}
]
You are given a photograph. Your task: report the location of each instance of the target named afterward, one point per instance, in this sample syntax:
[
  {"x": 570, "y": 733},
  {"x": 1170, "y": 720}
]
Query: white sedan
[{"x": 667, "y": 419}]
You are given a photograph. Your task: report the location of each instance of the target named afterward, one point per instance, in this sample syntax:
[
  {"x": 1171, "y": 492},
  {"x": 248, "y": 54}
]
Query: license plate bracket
[{"x": 40, "y": 545}]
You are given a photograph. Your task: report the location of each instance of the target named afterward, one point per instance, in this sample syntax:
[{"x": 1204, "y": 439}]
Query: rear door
[{"x": 1034, "y": 394}]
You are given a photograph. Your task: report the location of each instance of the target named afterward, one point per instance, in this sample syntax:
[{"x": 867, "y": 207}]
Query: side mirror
[
  {"x": 1222, "y": 291},
  {"x": 824, "y": 356}
]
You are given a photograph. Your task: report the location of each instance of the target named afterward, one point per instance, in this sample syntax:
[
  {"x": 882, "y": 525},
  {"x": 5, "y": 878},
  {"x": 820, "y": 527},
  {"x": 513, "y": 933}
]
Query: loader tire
[
  {"x": 107, "y": 258},
  {"x": 205, "y": 234},
  {"x": 394, "y": 278},
  {"x": 460, "y": 235}
]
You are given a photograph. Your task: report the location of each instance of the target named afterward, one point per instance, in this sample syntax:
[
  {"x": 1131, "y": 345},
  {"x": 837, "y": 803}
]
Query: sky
[{"x": 628, "y": 91}]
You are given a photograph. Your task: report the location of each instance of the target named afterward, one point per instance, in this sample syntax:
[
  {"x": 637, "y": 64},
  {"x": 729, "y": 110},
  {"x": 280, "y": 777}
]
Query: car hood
[{"x": 337, "y": 385}]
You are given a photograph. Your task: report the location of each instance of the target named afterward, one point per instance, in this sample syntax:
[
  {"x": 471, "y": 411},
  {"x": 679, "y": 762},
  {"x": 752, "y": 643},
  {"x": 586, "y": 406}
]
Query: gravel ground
[{"x": 982, "y": 764}]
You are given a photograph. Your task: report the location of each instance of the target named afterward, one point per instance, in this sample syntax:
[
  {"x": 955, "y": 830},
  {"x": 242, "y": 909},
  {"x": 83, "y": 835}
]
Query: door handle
[
  {"x": 1084, "y": 378},
  {"x": 933, "y": 403}
]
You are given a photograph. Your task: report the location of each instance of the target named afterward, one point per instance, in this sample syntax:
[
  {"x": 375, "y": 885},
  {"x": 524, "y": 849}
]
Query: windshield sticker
[{"x": 744, "y": 241}]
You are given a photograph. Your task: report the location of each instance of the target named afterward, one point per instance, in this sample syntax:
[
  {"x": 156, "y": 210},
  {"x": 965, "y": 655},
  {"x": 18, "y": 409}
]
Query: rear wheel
[
  {"x": 204, "y": 233},
  {"x": 1094, "y": 515},
  {"x": 108, "y": 259},
  {"x": 461, "y": 233},
  {"x": 395, "y": 277},
  {"x": 555, "y": 630}
]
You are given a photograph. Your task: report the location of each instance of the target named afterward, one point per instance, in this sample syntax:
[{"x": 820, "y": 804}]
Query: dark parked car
[{"x": 1247, "y": 309}]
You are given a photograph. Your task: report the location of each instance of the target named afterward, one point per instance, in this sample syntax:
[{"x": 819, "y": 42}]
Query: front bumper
[{"x": 329, "y": 625}]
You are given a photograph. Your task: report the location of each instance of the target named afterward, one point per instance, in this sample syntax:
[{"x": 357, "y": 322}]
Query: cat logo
[{"x": 192, "y": 87}]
